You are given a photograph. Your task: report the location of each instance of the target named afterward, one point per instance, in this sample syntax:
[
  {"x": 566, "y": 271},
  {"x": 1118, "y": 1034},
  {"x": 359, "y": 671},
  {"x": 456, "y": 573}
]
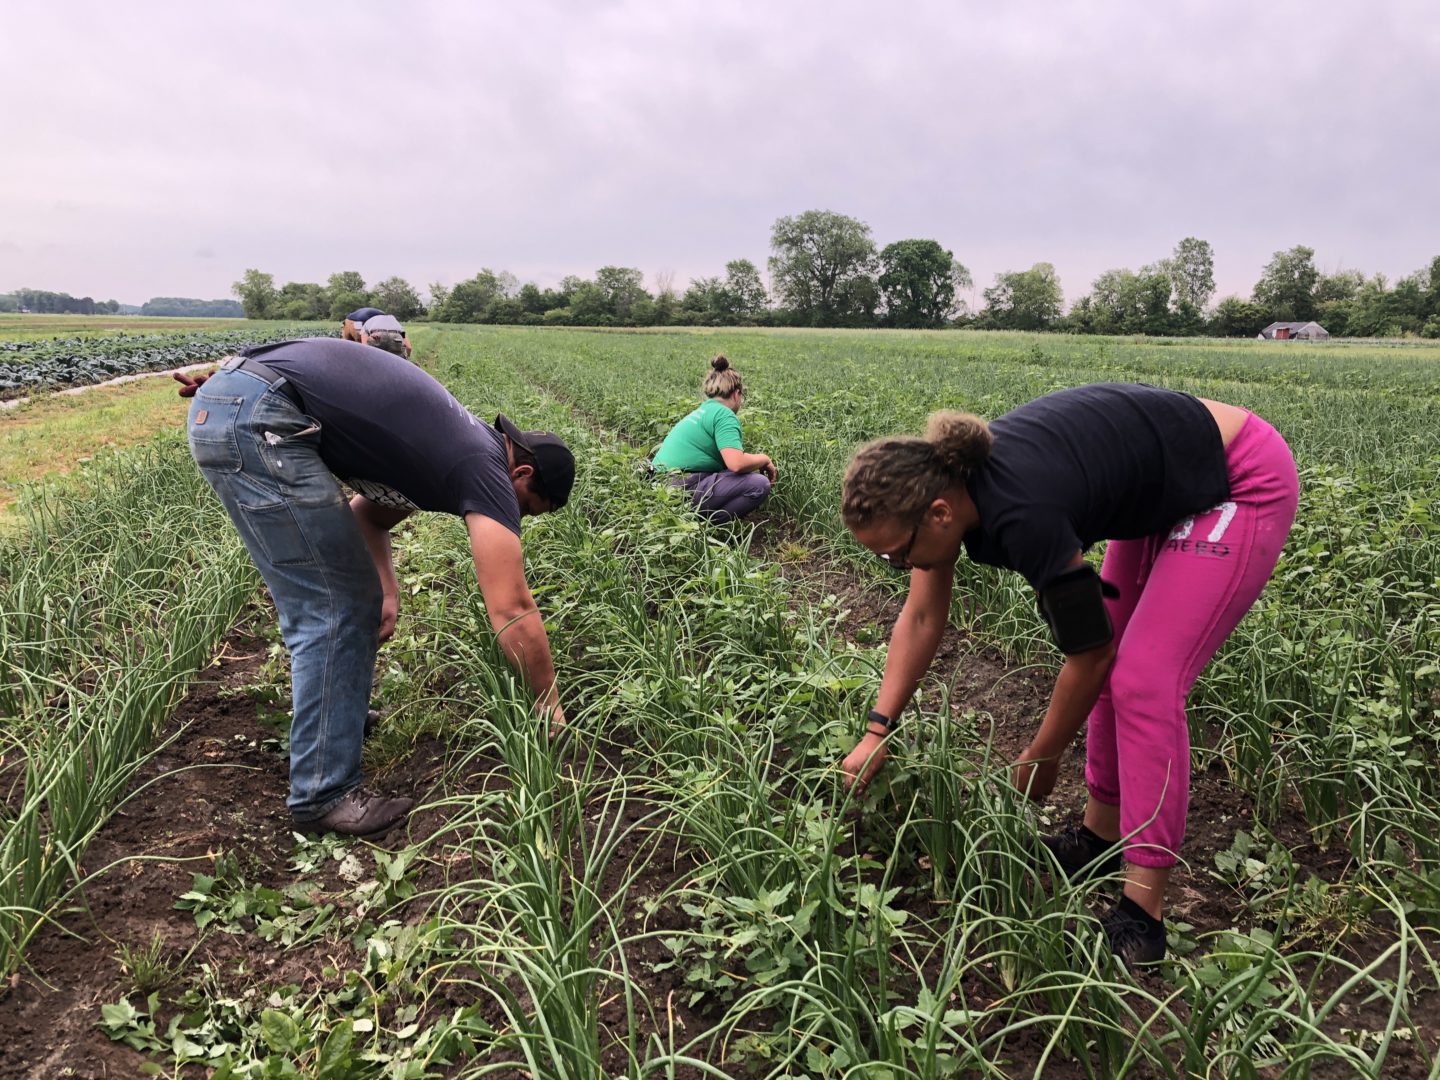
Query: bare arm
[
  {"x": 738, "y": 461},
  {"x": 500, "y": 570},
  {"x": 913, "y": 643},
  {"x": 375, "y": 523},
  {"x": 1077, "y": 688}
]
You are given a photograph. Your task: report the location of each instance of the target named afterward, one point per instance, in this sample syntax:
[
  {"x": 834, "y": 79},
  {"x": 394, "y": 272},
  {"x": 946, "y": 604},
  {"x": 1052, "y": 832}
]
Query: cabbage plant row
[{"x": 26, "y": 366}]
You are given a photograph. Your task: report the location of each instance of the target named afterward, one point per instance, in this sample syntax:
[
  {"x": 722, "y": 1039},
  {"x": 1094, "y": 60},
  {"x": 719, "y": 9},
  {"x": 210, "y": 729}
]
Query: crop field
[
  {"x": 32, "y": 363},
  {"x": 15, "y": 327},
  {"x": 678, "y": 885}
]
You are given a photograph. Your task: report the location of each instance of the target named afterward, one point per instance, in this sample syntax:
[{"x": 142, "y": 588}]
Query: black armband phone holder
[{"x": 1073, "y": 605}]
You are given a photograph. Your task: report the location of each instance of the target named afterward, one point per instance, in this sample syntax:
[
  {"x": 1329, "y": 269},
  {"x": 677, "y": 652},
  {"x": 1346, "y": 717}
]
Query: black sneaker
[
  {"x": 1134, "y": 937},
  {"x": 360, "y": 813},
  {"x": 1076, "y": 849}
]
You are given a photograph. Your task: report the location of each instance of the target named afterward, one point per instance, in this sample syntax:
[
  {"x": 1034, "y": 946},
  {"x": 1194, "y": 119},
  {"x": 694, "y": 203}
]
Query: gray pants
[{"x": 724, "y": 496}]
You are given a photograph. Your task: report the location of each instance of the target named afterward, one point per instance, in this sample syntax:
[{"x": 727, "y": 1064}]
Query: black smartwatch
[{"x": 877, "y": 717}]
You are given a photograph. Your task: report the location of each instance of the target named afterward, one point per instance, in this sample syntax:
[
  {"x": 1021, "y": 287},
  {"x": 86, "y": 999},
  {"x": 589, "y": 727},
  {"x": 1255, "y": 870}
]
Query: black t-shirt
[
  {"x": 1112, "y": 461},
  {"x": 359, "y": 315},
  {"x": 384, "y": 423}
]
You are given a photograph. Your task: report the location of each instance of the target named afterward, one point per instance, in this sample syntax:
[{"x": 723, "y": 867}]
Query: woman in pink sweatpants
[{"x": 1195, "y": 497}]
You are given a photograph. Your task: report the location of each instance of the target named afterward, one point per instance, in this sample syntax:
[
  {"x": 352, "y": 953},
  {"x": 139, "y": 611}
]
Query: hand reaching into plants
[
  {"x": 1034, "y": 775},
  {"x": 768, "y": 470},
  {"x": 557, "y": 720},
  {"x": 188, "y": 383},
  {"x": 862, "y": 763},
  {"x": 389, "y": 613}
]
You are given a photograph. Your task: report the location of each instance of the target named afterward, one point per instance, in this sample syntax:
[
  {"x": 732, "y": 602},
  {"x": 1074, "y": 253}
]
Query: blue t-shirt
[{"x": 386, "y": 424}]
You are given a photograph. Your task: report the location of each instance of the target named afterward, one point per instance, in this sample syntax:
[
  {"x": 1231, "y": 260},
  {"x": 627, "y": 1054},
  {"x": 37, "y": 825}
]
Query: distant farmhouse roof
[{"x": 1294, "y": 331}]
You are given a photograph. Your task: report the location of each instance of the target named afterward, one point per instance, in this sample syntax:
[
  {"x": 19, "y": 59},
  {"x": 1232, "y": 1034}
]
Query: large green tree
[
  {"x": 303, "y": 301},
  {"x": 704, "y": 302},
  {"x": 590, "y": 305},
  {"x": 256, "y": 293},
  {"x": 746, "y": 299},
  {"x": 439, "y": 293},
  {"x": 1191, "y": 269},
  {"x": 470, "y": 300},
  {"x": 624, "y": 287},
  {"x": 1286, "y": 289},
  {"x": 918, "y": 281},
  {"x": 1235, "y": 317},
  {"x": 1024, "y": 299},
  {"x": 822, "y": 267},
  {"x": 396, "y": 296},
  {"x": 347, "y": 293},
  {"x": 1126, "y": 302}
]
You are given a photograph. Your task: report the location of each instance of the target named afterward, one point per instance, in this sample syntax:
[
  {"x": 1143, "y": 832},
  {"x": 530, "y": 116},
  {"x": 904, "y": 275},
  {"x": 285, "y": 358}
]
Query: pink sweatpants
[{"x": 1181, "y": 593}]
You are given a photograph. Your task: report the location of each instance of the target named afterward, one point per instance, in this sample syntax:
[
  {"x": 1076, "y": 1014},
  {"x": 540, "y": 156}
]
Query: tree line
[
  {"x": 44, "y": 302},
  {"x": 826, "y": 270}
]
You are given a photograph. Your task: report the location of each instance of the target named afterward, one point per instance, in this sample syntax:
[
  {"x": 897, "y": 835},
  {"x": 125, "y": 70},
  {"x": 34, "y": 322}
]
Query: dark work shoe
[
  {"x": 1076, "y": 849},
  {"x": 360, "y": 813},
  {"x": 1134, "y": 936}
]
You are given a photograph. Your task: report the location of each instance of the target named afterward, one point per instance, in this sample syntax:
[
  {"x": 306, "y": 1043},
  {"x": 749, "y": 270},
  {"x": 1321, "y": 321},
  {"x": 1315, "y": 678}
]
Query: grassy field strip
[
  {"x": 110, "y": 601},
  {"x": 55, "y": 436}
]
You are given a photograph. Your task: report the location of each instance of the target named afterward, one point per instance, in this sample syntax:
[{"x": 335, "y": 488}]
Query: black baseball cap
[{"x": 554, "y": 464}]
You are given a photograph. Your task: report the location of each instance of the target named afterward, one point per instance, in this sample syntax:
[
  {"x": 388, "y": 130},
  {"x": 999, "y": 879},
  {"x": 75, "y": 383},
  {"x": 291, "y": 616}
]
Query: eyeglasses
[{"x": 900, "y": 560}]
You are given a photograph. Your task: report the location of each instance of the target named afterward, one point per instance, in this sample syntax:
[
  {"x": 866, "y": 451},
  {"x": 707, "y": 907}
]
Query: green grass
[{"x": 49, "y": 437}]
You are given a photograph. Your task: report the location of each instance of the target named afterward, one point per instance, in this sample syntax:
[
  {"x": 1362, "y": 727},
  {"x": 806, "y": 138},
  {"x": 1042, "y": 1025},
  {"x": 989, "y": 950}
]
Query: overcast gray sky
[{"x": 161, "y": 148}]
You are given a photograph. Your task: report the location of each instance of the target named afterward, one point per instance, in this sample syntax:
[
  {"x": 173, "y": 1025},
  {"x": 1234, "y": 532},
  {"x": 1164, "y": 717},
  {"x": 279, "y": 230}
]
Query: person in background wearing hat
[
  {"x": 385, "y": 332},
  {"x": 350, "y": 326},
  {"x": 271, "y": 432},
  {"x": 705, "y": 455}
]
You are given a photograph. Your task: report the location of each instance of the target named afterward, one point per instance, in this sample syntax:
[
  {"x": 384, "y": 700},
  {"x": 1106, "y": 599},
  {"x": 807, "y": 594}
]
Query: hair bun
[
  {"x": 962, "y": 440},
  {"x": 720, "y": 363}
]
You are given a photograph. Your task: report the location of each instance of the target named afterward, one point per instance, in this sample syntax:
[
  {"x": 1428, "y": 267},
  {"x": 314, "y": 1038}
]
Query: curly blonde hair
[{"x": 899, "y": 476}]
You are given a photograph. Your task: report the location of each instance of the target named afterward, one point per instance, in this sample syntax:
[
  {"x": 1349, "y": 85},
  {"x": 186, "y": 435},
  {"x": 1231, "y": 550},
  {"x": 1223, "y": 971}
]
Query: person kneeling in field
[
  {"x": 271, "y": 431},
  {"x": 1196, "y": 498},
  {"x": 704, "y": 452}
]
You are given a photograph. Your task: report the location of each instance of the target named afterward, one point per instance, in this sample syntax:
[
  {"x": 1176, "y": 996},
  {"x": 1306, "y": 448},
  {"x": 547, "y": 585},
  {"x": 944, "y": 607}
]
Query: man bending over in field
[{"x": 271, "y": 431}]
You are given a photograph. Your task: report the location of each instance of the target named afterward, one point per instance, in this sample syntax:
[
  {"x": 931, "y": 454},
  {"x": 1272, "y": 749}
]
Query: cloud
[{"x": 554, "y": 138}]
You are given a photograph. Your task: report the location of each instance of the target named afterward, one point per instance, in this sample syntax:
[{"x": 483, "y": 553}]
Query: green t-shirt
[{"x": 694, "y": 444}]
